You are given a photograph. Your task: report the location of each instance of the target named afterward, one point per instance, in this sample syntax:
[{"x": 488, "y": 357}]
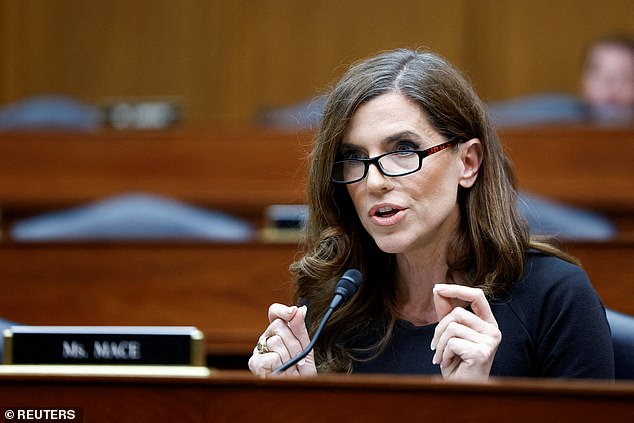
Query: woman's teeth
[{"x": 385, "y": 211}]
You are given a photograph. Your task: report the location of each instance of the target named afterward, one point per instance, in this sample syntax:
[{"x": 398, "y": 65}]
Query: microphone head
[{"x": 348, "y": 284}]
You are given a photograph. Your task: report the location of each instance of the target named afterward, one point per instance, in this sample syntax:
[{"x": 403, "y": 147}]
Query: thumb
[{"x": 442, "y": 304}]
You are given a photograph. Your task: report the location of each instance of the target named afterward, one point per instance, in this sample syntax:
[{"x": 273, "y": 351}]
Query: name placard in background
[{"x": 132, "y": 345}]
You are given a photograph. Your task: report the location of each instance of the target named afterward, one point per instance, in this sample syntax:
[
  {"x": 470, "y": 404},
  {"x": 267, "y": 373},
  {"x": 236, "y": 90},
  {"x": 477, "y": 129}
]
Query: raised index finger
[
  {"x": 298, "y": 327},
  {"x": 474, "y": 296}
]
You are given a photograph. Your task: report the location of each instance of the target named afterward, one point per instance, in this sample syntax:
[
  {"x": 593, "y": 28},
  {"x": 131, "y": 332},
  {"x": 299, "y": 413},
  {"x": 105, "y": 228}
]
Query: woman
[{"x": 409, "y": 184}]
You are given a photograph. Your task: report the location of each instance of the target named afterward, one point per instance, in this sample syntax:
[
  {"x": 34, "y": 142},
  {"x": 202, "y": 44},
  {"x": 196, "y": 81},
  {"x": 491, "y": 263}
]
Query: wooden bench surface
[
  {"x": 224, "y": 290},
  {"x": 240, "y": 397}
]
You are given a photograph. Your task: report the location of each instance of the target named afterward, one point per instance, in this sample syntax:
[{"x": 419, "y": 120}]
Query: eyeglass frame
[{"x": 375, "y": 161}]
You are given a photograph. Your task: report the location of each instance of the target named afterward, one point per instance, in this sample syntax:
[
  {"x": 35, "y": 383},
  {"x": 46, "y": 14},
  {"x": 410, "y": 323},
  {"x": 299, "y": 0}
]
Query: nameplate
[
  {"x": 284, "y": 223},
  {"x": 129, "y": 345}
]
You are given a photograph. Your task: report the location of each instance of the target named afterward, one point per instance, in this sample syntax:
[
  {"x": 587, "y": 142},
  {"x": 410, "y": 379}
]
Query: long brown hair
[{"x": 489, "y": 248}]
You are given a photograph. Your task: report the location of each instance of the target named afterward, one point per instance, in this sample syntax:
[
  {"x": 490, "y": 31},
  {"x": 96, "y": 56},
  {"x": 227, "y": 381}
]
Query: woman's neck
[
  {"x": 419, "y": 269},
  {"x": 415, "y": 278}
]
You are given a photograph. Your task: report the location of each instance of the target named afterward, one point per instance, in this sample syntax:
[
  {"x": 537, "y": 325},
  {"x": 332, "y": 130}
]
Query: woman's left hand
[{"x": 465, "y": 341}]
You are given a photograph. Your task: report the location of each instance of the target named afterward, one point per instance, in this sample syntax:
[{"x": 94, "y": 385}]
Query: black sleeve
[{"x": 573, "y": 339}]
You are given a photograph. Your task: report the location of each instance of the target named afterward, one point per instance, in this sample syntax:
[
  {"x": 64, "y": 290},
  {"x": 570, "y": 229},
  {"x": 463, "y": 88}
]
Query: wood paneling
[{"x": 225, "y": 59}]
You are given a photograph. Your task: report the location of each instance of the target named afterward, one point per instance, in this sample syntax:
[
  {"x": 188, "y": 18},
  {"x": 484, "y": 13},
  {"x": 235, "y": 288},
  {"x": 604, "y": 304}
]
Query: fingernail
[
  {"x": 433, "y": 360},
  {"x": 301, "y": 362},
  {"x": 291, "y": 310},
  {"x": 437, "y": 288}
]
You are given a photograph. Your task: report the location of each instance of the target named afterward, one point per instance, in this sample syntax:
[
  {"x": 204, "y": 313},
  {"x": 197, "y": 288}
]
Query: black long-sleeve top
[{"x": 552, "y": 321}]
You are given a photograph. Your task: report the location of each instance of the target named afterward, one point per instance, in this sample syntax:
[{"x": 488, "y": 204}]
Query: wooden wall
[{"x": 226, "y": 58}]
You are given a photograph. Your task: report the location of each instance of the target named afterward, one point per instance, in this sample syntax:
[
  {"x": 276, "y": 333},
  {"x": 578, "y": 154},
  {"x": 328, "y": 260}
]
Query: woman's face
[{"x": 413, "y": 212}]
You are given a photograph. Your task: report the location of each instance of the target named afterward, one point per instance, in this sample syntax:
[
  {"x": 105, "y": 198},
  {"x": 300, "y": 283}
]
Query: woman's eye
[
  {"x": 354, "y": 154},
  {"x": 406, "y": 146}
]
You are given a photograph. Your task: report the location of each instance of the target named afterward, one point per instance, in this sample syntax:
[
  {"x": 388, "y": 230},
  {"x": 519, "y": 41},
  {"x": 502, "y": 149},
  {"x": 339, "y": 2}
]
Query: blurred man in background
[{"x": 608, "y": 79}]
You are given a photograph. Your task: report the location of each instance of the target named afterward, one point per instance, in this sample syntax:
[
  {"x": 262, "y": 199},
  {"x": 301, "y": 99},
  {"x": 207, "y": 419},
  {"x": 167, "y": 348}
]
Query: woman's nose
[{"x": 376, "y": 180}]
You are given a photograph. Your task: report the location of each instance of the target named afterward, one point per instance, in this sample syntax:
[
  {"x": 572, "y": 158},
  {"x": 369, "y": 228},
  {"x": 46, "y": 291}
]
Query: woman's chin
[{"x": 390, "y": 247}]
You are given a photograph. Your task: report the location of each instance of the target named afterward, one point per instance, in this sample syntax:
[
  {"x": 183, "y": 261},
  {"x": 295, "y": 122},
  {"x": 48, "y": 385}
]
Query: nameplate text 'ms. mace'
[{"x": 134, "y": 345}]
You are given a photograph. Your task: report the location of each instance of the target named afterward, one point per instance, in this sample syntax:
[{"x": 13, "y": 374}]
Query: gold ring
[{"x": 262, "y": 347}]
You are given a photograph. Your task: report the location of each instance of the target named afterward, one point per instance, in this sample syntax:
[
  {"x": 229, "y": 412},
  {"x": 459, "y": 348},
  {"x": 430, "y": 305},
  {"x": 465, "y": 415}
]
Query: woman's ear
[{"x": 471, "y": 155}]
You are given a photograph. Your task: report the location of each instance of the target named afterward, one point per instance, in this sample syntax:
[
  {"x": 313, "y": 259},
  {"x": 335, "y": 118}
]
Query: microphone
[{"x": 346, "y": 287}]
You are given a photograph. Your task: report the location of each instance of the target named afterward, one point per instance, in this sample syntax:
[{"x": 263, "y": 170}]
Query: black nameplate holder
[{"x": 108, "y": 345}]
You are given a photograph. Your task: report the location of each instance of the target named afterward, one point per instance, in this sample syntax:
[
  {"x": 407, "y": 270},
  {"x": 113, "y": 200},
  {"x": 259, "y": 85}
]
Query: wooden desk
[
  {"x": 223, "y": 289},
  {"x": 244, "y": 170},
  {"x": 239, "y": 397},
  {"x": 240, "y": 171},
  {"x": 586, "y": 166}
]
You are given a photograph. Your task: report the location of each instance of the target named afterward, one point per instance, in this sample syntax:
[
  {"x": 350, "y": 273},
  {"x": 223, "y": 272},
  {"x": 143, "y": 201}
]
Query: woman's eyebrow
[
  {"x": 402, "y": 135},
  {"x": 348, "y": 145},
  {"x": 398, "y": 136},
  {"x": 389, "y": 140}
]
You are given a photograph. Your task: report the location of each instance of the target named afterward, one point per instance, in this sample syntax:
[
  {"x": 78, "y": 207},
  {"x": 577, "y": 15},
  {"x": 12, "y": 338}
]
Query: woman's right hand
[{"x": 284, "y": 338}]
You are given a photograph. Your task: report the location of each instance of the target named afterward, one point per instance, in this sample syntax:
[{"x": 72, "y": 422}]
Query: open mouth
[
  {"x": 386, "y": 212},
  {"x": 387, "y": 215}
]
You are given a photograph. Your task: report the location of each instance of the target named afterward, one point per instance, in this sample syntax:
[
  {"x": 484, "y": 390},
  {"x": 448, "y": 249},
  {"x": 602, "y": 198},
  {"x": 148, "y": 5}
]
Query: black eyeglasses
[{"x": 394, "y": 163}]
